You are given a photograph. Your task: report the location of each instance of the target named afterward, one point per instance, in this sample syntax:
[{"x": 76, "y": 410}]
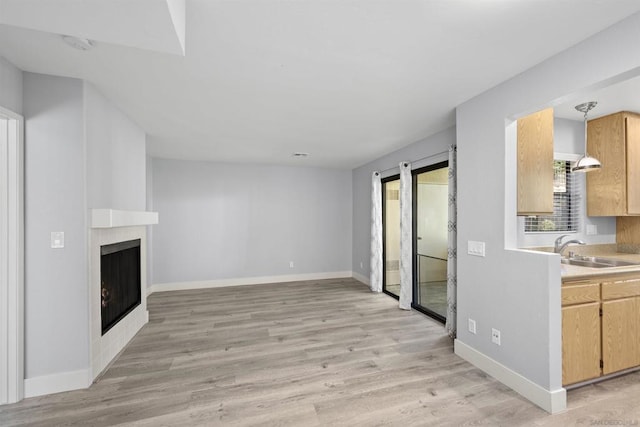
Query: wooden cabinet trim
[
  {"x": 602, "y": 278},
  {"x": 579, "y": 294},
  {"x": 621, "y": 289}
]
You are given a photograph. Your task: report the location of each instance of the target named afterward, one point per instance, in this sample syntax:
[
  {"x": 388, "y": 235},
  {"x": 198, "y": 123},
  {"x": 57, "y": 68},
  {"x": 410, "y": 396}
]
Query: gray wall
[
  {"x": 515, "y": 291},
  {"x": 80, "y": 153},
  {"x": 222, "y": 221},
  {"x": 10, "y": 86},
  {"x": 56, "y": 313},
  {"x": 116, "y": 156},
  {"x": 149, "y": 205},
  {"x": 431, "y": 146},
  {"x": 568, "y": 138}
]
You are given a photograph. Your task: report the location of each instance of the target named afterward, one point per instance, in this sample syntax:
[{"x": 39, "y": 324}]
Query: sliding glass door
[
  {"x": 391, "y": 236},
  {"x": 430, "y": 217}
]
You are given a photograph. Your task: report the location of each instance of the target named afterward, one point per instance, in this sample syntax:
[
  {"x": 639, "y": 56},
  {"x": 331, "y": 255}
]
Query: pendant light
[{"x": 586, "y": 163}]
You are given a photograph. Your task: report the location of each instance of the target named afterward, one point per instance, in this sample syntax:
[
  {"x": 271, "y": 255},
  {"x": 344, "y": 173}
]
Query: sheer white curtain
[
  {"x": 406, "y": 245},
  {"x": 375, "y": 278},
  {"x": 452, "y": 249}
]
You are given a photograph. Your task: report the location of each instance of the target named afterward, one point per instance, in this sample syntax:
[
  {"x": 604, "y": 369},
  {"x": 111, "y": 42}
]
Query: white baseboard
[
  {"x": 56, "y": 383},
  {"x": 551, "y": 401},
  {"x": 361, "y": 278},
  {"x": 241, "y": 281}
]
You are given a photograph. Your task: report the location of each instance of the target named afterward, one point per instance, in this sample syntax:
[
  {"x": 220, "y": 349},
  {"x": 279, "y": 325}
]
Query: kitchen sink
[{"x": 596, "y": 262}]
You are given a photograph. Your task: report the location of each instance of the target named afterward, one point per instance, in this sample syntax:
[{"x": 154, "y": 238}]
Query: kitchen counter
[
  {"x": 570, "y": 273},
  {"x": 574, "y": 272}
]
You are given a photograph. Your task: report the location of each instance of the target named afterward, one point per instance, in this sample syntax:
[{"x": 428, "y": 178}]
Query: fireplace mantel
[{"x": 111, "y": 218}]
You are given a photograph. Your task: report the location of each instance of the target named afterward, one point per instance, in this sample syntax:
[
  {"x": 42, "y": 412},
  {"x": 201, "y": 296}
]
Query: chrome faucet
[{"x": 559, "y": 246}]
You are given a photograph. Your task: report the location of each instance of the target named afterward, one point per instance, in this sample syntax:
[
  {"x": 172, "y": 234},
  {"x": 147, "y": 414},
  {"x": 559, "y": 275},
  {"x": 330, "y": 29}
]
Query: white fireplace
[{"x": 109, "y": 226}]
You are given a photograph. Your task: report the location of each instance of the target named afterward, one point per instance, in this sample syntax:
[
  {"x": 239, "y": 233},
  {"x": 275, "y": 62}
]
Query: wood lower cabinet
[
  {"x": 580, "y": 342},
  {"x": 620, "y": 325},
  {"x": 620, "y": 332},
  {"x": 600, "y": 327}
]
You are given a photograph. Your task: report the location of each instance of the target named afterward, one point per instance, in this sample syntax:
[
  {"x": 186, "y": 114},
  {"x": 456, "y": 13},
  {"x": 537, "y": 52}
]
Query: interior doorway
[
  {"x": 391, "y": 236},
  {"x": 11, "y": 258},
  {"x": 430, "y": 218}
]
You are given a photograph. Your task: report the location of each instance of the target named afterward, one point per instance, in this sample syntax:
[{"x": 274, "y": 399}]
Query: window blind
[{"x": 567, "y": 193}]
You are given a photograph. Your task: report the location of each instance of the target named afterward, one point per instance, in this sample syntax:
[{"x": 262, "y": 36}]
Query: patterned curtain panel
[
  {"x": 452, "y": 249},
  {"x": 406, "y": 246},
  {"x": 375, "y": 279}
]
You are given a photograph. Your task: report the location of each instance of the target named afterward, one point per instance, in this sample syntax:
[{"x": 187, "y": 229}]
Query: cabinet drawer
[
  {"x": 615, "y": 290},
  {"x": 578, "y": 294}
]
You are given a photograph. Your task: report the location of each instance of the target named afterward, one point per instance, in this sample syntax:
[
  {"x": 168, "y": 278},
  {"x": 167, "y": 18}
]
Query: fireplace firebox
[{"x": 120, "y": 281}]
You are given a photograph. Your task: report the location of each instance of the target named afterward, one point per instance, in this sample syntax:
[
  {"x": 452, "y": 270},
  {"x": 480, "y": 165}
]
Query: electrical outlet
[
  {"x": 475, "y": 248},
  {"x": 361, "y": 265},
  {"x": 592, "y": 229},
  {"x": 290, "y": 264},
  {"x": 472, "y": 326},
  {"x": 495, "y": 336}
]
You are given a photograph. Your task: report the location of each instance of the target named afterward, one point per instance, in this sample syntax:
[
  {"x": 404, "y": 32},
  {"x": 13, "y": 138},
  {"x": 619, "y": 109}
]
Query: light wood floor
[{"x": 306, "y": 353}]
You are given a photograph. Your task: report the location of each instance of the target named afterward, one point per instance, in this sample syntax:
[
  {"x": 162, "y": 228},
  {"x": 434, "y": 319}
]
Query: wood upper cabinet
[
  {"x": 535, "y": 163},
  {"x": 614, "y": 190}
]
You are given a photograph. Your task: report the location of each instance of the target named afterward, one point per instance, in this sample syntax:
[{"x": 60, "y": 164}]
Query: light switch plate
[
  {"x": 475, "y": 248},
  {"x": 57, "y": 239}
]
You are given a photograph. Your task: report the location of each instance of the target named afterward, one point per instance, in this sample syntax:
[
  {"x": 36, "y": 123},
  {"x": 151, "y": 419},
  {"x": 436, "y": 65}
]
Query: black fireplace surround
[{"x": 119, "y": 281}]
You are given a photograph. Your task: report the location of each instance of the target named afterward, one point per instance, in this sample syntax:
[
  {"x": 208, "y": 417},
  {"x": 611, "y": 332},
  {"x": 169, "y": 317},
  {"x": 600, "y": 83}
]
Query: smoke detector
[{"x": 77, "y": 42}]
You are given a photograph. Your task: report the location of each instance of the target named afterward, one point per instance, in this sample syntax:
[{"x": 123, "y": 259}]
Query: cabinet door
[
  {"x": 606, "y": 188},
  {"x": 632, "y": 124},
  {"x": 535, "y": 163},
  {"x": 620, "y": 329},
  {"x": 580, "y": 342}
]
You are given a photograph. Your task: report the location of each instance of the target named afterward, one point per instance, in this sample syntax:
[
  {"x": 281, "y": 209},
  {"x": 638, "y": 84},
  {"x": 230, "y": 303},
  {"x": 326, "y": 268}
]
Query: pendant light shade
[{"x": 586, "y": 163}]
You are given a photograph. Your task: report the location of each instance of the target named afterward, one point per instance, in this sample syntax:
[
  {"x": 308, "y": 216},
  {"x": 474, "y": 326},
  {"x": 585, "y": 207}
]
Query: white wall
[
  {"x": 568, "y": 138},
  {"x": 417, "y": 153},
  {"x": 56, "y": 312},
  {"x": 514, "y": 291},
  {"x": 10, "y": 86},
  {"x": 116, "y": 156},
  {"x": 223, "y": 221}
]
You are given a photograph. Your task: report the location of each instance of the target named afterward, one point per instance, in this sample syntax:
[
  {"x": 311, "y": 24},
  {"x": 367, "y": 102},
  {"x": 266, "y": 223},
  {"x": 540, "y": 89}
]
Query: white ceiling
[
  {"x": 147, "y": 24},
  {"x": 346, "y": 81},
  {"x": 624, "y": 96}
]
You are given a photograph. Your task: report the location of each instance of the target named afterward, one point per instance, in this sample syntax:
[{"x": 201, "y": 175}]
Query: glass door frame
[
  {"x": 383, "y": 181},
  {"x": 415, "y": 303}
]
